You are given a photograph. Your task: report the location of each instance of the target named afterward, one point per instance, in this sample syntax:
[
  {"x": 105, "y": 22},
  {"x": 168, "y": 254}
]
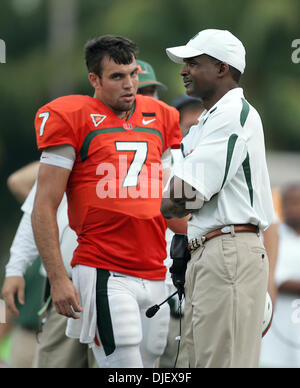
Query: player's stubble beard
[{"x": 120, "y": 108}]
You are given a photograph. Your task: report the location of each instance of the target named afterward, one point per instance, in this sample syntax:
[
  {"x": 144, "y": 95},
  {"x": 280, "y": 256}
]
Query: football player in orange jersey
[{"x": 105, "y": 152}]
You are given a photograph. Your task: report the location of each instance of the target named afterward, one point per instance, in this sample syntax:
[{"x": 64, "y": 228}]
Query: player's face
[
  {"x": 117, "y": 86},
  {"x": 199, "y": 77}
]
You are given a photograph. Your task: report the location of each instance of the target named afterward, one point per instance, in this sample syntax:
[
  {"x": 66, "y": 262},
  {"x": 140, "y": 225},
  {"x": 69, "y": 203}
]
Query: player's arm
[
  {"x": 177, "y": 225},
  {"x": 21, "y": 181},
  {"x": 22, "y": 254},
  {"x": 52, "y": 183}
]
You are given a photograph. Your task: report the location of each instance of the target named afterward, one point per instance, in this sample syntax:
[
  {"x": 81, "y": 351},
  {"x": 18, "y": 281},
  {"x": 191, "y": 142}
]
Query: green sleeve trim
[
  {"x": 230, "y": 148},
  {"x": 244, "y": 112},
  {"x": 182, "y": 149},
  {"x": 247, "y": 172}
]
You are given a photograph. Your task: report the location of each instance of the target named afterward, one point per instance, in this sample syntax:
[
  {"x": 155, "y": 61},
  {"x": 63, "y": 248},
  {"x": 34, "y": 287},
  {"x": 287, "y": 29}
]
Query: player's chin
[{"x": 125, "y": 105}]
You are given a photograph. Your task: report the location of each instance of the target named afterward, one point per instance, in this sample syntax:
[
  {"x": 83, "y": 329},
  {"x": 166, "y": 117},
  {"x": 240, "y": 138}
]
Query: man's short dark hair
[
  {"x": 119, "y": 49},
  {"x": 235, "y": 73}
]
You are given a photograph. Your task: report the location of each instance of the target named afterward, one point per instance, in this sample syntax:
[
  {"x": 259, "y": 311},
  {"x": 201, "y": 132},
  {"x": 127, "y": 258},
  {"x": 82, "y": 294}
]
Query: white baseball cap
[{"x": 220, "y": 44}]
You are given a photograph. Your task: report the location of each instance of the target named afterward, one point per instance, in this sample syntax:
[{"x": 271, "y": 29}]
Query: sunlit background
[{"x": 44, "y": 59}]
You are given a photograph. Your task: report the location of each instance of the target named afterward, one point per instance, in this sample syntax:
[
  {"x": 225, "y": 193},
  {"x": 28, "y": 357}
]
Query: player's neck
[{"x": 121, "y": 114}]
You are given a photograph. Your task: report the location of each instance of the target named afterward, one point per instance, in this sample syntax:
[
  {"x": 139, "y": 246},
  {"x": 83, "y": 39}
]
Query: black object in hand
[{"x": 180, "y": 255}]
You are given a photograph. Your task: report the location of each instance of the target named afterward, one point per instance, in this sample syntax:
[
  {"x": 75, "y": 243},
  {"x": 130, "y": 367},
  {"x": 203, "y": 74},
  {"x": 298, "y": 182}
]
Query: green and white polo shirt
[{"x": 223, "y": 158}]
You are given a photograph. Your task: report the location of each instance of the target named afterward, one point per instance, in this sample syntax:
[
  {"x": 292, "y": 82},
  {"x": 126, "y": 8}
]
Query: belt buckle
[
  {"x": 226, "y": 229},
  {"x": 203, "y": 239},
  {"x": 195, "y": 243}
]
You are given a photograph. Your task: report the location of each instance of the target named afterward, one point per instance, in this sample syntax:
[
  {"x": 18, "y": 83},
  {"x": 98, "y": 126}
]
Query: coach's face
[
  {"x": 117, "y": 86},
  {"x": 200, "y": 76}
]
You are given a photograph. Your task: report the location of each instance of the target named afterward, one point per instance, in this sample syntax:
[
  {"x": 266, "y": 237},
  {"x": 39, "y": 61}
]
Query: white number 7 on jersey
[
  {"x": 45, "y": 117},
  {"x": 141, "y": 151}
]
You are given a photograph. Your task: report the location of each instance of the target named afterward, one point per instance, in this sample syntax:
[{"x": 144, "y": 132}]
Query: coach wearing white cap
[{"x": 223, "y": 182}]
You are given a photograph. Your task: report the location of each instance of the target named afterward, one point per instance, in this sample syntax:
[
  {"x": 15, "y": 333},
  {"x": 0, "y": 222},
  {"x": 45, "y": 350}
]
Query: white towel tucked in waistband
[{"x": 84, "y": 279}]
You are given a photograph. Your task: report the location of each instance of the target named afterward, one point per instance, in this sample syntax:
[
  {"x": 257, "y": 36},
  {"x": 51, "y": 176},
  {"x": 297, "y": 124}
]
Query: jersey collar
[{"x": 109, "y": 111}]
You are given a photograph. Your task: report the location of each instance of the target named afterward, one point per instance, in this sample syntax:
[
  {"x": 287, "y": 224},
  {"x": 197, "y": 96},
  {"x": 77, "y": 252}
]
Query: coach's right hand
[
  {"x": 65, "y": 298},
  {"x": 13, "y": 285}
]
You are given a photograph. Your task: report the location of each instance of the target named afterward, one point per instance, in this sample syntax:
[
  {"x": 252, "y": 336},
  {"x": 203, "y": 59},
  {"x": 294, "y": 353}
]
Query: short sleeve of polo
[
  {"x": 53, "y": 127},
  {"x": 216, "y": 157}
]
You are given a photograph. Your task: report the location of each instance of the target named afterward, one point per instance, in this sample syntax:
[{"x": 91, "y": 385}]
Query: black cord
[{"x": 179, "y": 311}]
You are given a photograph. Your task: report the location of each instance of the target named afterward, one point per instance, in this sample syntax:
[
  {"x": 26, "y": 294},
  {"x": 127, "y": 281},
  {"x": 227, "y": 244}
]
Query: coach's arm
[
  {"x": 179, "y": 200},
  {"x": 52, "y": 183}
]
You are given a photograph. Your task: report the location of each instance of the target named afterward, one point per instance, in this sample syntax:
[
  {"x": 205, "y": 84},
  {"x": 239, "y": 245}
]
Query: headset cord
[{"x": 179, "y": 311}]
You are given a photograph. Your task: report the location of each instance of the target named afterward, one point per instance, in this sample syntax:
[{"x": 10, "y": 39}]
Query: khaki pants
[
  {"x": 226, "y": 285},
  {"x": 23, "y": 348},
  {"x": 56, "y": 350}
]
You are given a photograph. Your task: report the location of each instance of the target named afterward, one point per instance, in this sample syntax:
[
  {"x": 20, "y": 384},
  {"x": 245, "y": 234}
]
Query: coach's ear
[{"x": 223, "y": 69}]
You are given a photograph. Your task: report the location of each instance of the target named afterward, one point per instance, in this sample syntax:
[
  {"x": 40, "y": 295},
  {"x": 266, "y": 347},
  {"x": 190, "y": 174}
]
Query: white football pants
[{"x": 128, "y": 339}]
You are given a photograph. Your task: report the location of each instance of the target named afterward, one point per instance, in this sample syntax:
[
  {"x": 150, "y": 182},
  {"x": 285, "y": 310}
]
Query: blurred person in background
[
  {"x": 281, "y": 346},
  {"x": 148, "y": 83},
  {"x": 21, "y": 181},
  {"x": 23, "y": 323},
  {"x": 190, "y": 109},
  {"x": 271, "y": 243},
  {"x": 25, "y": 281}
]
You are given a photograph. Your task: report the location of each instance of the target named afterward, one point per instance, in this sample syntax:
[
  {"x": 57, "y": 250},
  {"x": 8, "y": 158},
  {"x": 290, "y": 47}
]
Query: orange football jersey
[{"x": 115, "y": 187}]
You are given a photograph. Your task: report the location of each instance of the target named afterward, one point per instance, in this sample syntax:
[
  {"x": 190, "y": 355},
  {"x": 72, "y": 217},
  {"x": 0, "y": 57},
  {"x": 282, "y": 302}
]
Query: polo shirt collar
[{"x": 236, "y": 92}]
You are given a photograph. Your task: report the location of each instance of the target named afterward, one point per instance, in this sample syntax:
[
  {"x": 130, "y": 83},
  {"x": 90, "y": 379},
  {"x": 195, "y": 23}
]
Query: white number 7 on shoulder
[
  {"x": 141, "y": 151},
  {"x": 45, "y": 116}
]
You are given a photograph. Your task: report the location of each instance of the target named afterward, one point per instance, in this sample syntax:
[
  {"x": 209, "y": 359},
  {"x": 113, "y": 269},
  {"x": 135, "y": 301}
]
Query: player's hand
[
  {"x": 65, "y": 298},
  {"x": 13, "y": 285}
]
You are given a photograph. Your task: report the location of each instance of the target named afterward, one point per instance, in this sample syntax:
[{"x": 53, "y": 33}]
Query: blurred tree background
[{"x": 45, "y": 39}]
